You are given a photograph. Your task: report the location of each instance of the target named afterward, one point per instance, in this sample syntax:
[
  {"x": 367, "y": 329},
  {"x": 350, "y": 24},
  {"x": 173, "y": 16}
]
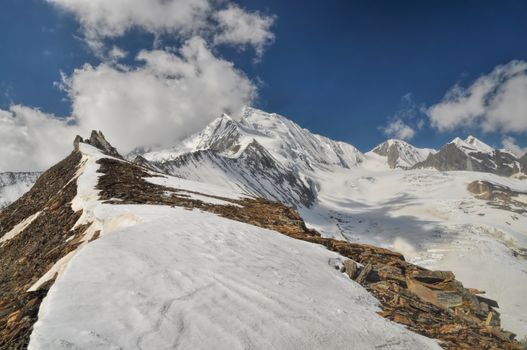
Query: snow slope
[
  {"x": 432, "y": 219},
  {"x": 161, "y": 277}
]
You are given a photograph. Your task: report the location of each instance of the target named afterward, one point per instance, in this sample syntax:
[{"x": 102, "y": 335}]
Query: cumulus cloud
[
  {"x": 494, "y": 102},
  {"x": 399, "y": 130},
  {"x": 407, "y": 121},
  {"x": 241, "y": 28},
  {"x": 509, "y": 143},
  {"x": 220, "y": 21},
  {"x": 167, "y": 97},
  {"x": 32, "y": 140}
]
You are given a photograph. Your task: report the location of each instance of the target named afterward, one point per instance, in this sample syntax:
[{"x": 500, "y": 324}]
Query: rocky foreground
[{"x": 431, "y": 303}]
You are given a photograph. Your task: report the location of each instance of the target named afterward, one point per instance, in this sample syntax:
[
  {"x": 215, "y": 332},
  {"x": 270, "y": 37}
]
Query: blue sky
[{"x": 344, "y": 69}]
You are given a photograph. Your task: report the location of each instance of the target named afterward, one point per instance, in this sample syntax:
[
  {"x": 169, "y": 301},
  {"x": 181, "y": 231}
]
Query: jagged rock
[
  {"x": 493, "y": 319},
  {"x": 489, "y": 302},
  {"x": 98, "y": 140},
  {"x": 351, "y": 269},
  {"x": 431, "y": 277},
  {"x": 364, "y": 273},
  {"x": 448, "y": 299},
  {"x": 78, "y": 139}
]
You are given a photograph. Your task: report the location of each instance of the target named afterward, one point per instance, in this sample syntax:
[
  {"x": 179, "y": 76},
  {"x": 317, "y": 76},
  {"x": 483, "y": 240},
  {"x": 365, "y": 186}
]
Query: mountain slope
[
  {"x": 471, "y": 154},
  {"x": 14, "y": 185},
  {"x": 254, "y": 171},
  {"x": 401, "y": 154},
  {"x": 263, "y": 154},
  {"x": 523, "y": 163}
]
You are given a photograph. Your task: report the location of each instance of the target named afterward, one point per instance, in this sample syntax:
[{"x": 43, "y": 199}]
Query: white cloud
[
  {"x": 399, "y": 130},
  {"x": 32, "y": 140},
  {"x": 169, "y": 96},
  {"x": 220, "y": 21},
  {"x": 243, "y": 28},
  {"x": 509, "y": 143},
  {"x": 494, "y": 102},
  {"x": 406, "y": 121},
  {"x": 102, "y": 19}
]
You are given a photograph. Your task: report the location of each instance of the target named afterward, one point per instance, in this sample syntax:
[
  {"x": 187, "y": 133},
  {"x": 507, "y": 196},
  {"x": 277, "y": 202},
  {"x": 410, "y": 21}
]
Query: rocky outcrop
[
  {"x": 452, "y": 157},
  {"x": 499, "y": 196},
  {"x": 98, "y": 140}
]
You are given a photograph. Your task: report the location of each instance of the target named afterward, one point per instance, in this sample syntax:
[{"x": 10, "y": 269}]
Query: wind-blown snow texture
[
  {"x": 426, "y": 214},
  {"x": 161, "y": 277}
]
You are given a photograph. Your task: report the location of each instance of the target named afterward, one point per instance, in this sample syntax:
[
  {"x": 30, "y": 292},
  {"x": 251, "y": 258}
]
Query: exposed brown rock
[
  {"x": 498, "y": 196},
  {"x": 31, "y": 253},
  {"x": 350, "y": 267}
]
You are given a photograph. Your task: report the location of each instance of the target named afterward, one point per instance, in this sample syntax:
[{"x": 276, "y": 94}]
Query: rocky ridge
[
  {"x": 472, "y": 154},
  {"x": 431, "y": 303}
]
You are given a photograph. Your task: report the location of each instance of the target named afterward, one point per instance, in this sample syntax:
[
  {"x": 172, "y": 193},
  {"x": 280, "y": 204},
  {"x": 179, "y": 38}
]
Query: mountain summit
[
  {"x": 472, "y": 154},
  {"x": 401, "y": 154}
]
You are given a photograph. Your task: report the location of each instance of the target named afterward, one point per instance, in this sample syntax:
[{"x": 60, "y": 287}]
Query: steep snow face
[
  {"x": 290, "y": 144},
  {"x": 263, "y": 154},
  {"x": 14, "y": 185},
  {"x": 296, "y": 146},
  {"x": 191, "y": 280},
  {"x": 432, "y": 219},
  {"x": 254, "y": 171},
  {"x": 471, "y": 145},
  {"x": 401, "y": 154}
]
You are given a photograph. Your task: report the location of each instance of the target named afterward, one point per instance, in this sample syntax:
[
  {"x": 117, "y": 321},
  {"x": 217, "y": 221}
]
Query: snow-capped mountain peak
[
  {"x": 472, "y": 145},
  {"x": 401, "y": 154},
  {"x": 286, "y": 153}
]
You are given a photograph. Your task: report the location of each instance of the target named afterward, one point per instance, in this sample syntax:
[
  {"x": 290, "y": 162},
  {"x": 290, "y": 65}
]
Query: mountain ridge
[{"x": 94, "y": 192}]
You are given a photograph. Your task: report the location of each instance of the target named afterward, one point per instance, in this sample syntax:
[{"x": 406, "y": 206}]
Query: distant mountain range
[{"x": 268, "y": 155}]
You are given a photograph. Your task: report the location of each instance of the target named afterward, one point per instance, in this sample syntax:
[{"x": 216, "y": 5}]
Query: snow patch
[{"x": 21, "y": 226}]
